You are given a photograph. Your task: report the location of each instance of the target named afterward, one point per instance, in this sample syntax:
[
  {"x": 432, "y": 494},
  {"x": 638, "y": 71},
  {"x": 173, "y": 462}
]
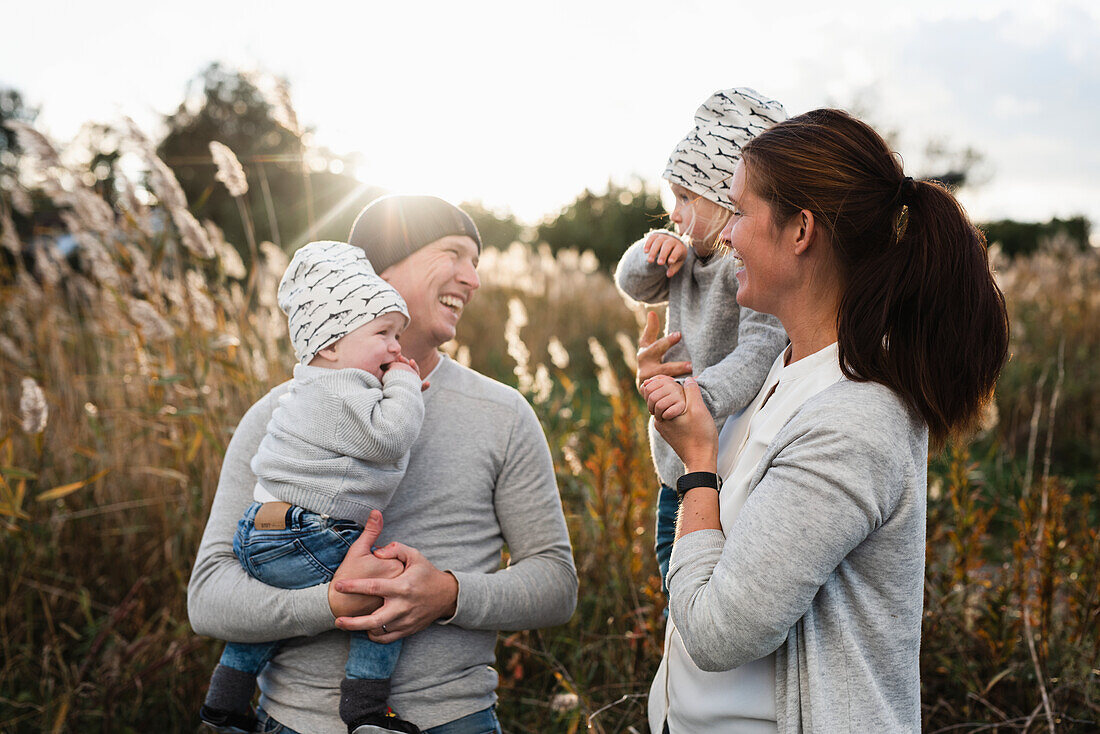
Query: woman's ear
[{"x": 804, "y": 229}]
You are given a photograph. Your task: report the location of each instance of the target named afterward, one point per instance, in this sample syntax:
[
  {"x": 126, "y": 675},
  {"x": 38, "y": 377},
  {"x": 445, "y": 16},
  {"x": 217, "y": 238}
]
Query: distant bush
[
  {"x": 605, "y": 224},
  {"x": 1026, "y": 238}
]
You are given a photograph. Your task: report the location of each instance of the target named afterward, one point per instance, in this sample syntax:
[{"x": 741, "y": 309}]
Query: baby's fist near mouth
[{"x": 402, "y": 362}]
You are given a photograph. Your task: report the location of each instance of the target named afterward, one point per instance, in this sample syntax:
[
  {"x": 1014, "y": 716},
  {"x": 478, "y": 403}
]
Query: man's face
[{"x": 436, "y": 281}]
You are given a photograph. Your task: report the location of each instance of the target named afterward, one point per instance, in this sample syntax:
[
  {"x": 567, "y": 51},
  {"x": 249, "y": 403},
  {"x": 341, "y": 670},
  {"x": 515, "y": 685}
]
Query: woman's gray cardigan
[{"x": 824, "y": 566}]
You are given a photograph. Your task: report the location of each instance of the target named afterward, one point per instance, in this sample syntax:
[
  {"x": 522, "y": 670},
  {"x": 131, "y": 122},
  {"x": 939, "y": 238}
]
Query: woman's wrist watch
[{"x": 694, "y": 479}]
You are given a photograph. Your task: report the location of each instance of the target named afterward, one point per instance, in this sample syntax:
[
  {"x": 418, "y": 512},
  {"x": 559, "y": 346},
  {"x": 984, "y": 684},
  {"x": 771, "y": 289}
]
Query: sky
[{"x": 522, "y": 106}]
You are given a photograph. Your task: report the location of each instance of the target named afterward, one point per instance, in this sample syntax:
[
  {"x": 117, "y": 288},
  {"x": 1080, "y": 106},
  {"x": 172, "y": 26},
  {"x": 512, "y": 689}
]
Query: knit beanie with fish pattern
[
  {"x": 703, "y": 162},
  {"x": 329, "y": 290}
]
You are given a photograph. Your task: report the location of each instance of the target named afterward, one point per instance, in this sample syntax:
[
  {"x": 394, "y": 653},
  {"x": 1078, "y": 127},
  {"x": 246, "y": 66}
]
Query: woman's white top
[{"x": 740, "y": 700}]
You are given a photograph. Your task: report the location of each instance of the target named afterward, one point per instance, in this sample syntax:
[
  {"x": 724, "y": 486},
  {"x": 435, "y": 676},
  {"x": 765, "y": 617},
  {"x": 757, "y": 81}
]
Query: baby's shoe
[
  {"x": 227, "y": 722},
  {"x": 383, "y": 723}
]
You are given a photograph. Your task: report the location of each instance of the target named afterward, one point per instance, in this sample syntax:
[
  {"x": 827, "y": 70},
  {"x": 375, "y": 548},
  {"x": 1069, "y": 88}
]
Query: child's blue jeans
[
  {"x": 668, "y": 504},
  {"x": 306, "y": 553}
]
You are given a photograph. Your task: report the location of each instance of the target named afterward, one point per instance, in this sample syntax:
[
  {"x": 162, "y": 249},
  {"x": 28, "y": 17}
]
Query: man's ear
[{"x": 804, "y": 230}]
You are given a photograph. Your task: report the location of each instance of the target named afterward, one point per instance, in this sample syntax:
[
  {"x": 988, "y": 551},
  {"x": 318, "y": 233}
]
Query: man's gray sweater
[
  {"x": 731, "y": 348},
  {"x": 480, "y": 477},
  {"x": 338, "y": 444},
  {"x": 824, "y": 566}
]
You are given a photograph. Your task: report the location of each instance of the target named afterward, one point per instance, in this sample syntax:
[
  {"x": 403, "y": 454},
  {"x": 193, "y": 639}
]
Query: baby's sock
[
  {"x": 231, "y": 690},
  {"x": 362, "y": 696}
]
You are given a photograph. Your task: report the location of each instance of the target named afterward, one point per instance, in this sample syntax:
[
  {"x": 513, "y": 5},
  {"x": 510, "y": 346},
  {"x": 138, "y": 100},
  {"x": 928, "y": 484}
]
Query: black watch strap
[{"x": 694, "y": 479}]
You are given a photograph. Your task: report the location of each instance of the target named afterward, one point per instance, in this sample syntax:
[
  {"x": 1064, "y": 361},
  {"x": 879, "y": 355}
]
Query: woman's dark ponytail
[{"x": 920, "y": 311}]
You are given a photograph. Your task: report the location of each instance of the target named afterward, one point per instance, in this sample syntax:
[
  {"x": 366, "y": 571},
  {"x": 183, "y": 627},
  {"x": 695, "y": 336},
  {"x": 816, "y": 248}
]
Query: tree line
[{"x": 300, "y": 192}]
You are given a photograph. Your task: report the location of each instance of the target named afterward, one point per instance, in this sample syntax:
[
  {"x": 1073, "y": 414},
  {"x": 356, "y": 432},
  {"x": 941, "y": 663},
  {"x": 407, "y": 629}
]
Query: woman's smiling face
[{"x": 765, "y": 267}]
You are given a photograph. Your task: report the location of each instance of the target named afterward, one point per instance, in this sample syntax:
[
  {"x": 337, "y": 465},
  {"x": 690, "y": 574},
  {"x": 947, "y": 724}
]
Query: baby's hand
[
  {"x": 665, "y": 249},
  {"x": 401, "y": 362},
  {"x": 664, "y": 397}
]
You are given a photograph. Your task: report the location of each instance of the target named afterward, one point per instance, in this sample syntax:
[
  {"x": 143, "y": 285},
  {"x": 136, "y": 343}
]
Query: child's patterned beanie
[
  {"x": 703, "y": 162},
  {"x": 328, "y": 290}
]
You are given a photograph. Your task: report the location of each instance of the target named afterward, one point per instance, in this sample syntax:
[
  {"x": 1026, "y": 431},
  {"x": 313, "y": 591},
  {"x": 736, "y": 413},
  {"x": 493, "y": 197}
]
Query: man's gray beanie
[
  {"x": 703, "y": 162},
  {"x": 393, "y": 227}
]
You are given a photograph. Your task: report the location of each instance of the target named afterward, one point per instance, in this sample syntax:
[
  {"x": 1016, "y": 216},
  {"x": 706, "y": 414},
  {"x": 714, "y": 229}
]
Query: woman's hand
[
  {"x": 411, "y": 599},
  {"x": 651, "y": 351},
  {"x": 682, "y": 419}
]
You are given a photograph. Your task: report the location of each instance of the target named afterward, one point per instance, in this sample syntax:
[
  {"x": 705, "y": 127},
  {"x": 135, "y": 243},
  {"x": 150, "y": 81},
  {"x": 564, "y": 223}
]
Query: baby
[
  {"x": 336, "y": 448},
  {"x": 729, "y": 349}
]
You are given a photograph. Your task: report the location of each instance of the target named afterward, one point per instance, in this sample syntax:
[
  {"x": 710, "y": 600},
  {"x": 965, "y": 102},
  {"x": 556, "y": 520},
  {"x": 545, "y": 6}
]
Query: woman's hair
[{"x": 919, "y": 309}]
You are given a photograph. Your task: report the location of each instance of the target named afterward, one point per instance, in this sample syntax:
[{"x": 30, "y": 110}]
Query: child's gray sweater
[
  {"x": 338, "y": 444},
  {"x": 731, "y": 348}
]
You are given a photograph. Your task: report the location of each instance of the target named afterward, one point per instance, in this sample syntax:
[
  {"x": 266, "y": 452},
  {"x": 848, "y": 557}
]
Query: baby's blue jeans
[{"x": 306, "y": 553}]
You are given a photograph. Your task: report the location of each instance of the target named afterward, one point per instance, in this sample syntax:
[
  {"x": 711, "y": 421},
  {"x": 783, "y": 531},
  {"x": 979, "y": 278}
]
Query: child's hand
[
  {"x": 665, "y": 249},
  {"x": 401, "y": 362},
  {"x": 682, "y": 419},
  {"x": 664, "y": 397}
]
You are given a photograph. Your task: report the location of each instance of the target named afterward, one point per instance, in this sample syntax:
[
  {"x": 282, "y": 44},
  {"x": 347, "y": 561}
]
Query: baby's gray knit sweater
[
  {"x": 338, "y": 444},
  {"x": 731, "y": 348},
  {"x": 824, "y": 566}
]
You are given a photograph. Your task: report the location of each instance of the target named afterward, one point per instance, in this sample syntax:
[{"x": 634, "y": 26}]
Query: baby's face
[
  {"x": 371, "y": 347},
  {"x": 698, "y": 218}
]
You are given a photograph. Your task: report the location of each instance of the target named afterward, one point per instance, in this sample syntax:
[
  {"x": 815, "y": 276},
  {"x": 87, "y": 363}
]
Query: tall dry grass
[
  {"x": 145, "y": 352},
  {"x": 126, "y": 366}
]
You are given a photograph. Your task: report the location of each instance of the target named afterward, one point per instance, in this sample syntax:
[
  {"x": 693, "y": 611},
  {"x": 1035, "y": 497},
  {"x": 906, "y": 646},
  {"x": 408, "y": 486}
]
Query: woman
[{"x": 796, "y": 591}]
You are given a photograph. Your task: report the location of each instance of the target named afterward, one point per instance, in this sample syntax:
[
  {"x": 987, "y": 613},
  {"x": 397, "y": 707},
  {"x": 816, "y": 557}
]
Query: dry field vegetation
[{"x": 126, "y": 366}]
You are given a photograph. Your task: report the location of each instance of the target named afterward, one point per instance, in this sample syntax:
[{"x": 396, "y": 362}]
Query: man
[{"x": 479, "y": 477}]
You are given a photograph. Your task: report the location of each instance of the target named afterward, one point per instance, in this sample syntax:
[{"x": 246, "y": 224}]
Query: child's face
[
  {"x": 698, "y": 218},
  {"x": 370, "y": 347}
]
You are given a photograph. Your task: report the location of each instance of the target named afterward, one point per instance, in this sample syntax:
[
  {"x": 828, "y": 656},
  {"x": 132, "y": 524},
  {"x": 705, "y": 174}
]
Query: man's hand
[
  {"x": 665, "y": 249},
  {"x": 651, "y": 351},
  {"x": 360, "y": 563},
  {"x": 412, "y": 600}
]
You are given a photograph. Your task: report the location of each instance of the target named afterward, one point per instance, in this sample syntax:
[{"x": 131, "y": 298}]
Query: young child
[
  {"x": 336, "y": 448},
  {"x": 730, "y": 349}
]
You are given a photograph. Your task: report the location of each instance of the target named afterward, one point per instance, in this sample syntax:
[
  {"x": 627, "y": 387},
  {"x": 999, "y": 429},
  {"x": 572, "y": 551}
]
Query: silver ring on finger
[{"x": 384, "y": 630}]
